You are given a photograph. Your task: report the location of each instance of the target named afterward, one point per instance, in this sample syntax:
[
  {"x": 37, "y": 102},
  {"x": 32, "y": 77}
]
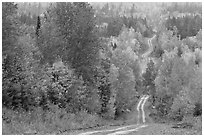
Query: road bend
[
  {"x": 144, "y": 57},
  {"x": 125, "y": 129},
  {"x": 140, "y": 106},
  {"x": 146, "y": 54}
]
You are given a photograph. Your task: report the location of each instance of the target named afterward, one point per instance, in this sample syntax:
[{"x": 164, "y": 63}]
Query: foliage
[
  {"x": 19, "y": 75},
  {"x": 116, "y": 24},
  {"x": 86, "y": 64},
  {"x": 113, "y": 78},
  {"x": 148, "y": 81},
  {"x": 9, "y": 27},
  {"x": 47, "y": 41},
  {"x": 149, "y": 77},
  {"x": 17, "y": 61},
  {"x": 193, "y": 43},
  {"x": 126, "y": 61},
  {"x": 186, "y": 7},
  {"x": 73, "y": 38},
  {"x": 181, "y": 106},
  {"x": 114, "y": 27},
  {"x": 175, "y": 79},
  {"x": 187, "y": 25},
  {"x": 27, "y": 19},
  {"x": 54, "y": 121},
  {"x": 61, "y": 87},
  {"x": 104, "y": 84}
]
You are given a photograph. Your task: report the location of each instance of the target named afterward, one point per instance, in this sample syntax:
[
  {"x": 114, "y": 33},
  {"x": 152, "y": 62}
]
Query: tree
[
  {"x": 174, "y": 87},
  {"x": 190, "y": 28},
  {"x": 78, "y": 45},
  {"x": 149, "y": 76},
  {"x": 38, "y": 26},
  {"x": 113, "y": 78},
  {"x": 163, "y": 82},
  {"x": 114, "y": 26},
  {"x": 11, "y": 56},
  {"x": 125, "y": 59},
  {"x": 9, "y": 27},
  {"x": 189, "y": 100},
  {"x": 148, "y": 81},
  {"x": 105, "y": 9}
]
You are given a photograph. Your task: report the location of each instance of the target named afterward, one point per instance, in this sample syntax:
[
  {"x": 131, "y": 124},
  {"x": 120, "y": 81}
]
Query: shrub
[
  {"x": 195, "y": 121},
  {"x": 50, "y": 121}
]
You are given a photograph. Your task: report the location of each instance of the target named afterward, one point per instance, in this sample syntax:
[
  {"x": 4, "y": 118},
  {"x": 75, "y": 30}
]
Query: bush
[
  {"x": 195, "y": 121},
  {"x": 198, "y": 123},
  {"x": 50, "y": 121},
  {"x": 61, "y": 87}
]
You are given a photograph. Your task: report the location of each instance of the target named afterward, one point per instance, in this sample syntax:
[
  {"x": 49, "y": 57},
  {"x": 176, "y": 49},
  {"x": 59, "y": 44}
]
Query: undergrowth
[{"x": 53, "y": 121}]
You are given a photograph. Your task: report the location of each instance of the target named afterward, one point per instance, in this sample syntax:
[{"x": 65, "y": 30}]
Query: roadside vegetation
[{"x": 74, "y": 66}]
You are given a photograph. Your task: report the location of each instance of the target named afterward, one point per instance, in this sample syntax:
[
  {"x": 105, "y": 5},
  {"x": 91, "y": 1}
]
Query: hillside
[{"x": 72, "y": 67}]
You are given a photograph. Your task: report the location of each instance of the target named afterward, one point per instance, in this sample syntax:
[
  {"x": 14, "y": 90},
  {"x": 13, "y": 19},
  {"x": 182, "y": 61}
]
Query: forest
[{"x": 70, "y": 66}]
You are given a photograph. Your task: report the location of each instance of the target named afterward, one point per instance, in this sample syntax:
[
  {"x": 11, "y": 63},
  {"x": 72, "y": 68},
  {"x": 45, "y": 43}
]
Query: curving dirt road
[
  {"x": 141, "y": 128},
  {"x": 144, "y": 57},
  {"x": 125, "y": 129},
  {"x": 140, "y": 108},
  {"x": 146, "y": 54}
]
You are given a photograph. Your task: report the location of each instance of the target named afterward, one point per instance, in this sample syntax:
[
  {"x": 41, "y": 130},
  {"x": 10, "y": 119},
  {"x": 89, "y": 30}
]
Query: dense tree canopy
[
  {"x": 75, "y": 30},
  {"x": 86, "y": 58}
]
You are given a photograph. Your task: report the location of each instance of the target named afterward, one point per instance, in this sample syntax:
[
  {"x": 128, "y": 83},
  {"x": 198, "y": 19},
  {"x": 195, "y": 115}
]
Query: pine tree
[
  {"x": 149, "y": 77},
  {"x": 9, "y": 27},
  {"x": 38, "y": 26},
  {"x": 75, "y": 23}
]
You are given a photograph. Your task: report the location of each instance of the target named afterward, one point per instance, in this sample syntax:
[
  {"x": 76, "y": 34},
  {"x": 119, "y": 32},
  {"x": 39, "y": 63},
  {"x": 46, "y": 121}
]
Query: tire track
[
  {"x": 142, "y": 107},
  {"x": 127, "y": 131},
  {"x": 108, "y": 130},
  {"x": 150, "y": 47},
  {"x": 144, "y": 57},
  {"x": 138, "y": 109}
]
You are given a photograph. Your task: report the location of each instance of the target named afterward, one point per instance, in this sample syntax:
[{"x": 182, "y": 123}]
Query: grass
[
  {"x": 58, "y": 121},
  {"x": 52, "y": 122},
  {"x": 166, "y": 129}
]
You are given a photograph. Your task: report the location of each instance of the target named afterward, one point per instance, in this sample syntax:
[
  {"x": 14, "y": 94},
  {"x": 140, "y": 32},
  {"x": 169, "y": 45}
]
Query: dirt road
[
  {"x": 144, "y": 57},
  {"x": 116, "y": 131},
  {"x": 125, "y": 129}
]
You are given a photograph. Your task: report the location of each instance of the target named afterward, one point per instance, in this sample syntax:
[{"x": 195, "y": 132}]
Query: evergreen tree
[
  {"x": 38, "y": 26},
  {"x": 9, "y": 27},
  {"x": 75, "y": 23},
  {"x": 148, "y": 80}
]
